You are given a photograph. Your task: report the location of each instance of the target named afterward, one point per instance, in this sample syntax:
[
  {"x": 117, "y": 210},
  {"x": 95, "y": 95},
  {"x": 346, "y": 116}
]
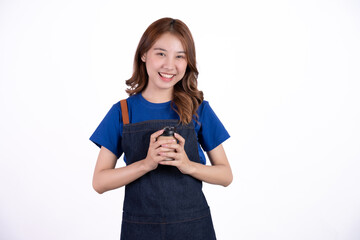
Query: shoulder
[
  {"x": 203, "y": 107},
  {"x": 211, "y": 130},
  {"x": 133, "y": 100},
  {"x": 115, "y": 109},
  {"x": 205, "y": 111},
  {"x": 113, "y": 114}
]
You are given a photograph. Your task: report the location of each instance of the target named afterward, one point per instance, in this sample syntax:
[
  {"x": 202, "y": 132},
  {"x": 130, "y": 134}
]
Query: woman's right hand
[{"x": 155, "y": 147}]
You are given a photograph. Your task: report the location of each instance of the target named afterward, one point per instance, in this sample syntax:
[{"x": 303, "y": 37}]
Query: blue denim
[
  {"x": 192, "y": 229},
  {"x": 164, "y": 203}
]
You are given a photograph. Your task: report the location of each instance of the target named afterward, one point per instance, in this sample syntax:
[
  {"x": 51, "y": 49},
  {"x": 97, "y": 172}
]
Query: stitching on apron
[{"x": 183, "y": 221}]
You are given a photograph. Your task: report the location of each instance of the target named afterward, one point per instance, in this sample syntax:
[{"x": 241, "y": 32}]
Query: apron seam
[{"x": 172, "y": 222}]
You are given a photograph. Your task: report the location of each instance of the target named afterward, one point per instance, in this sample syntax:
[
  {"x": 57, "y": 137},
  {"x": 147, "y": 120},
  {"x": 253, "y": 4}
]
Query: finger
[
  {"x": 172, "y": 147},
  {"x": 163, "y": 143},
  {"x": 169, "y": 154},
  {"x": 155, "y": 135},
  {"x": 169, "y": 163},
  {"x": 180, "y": 139},
  {"x": 164, "y": 149},
  {"x": 159, "y": 159},
  {"x": 158, "y": 151},
  {"x": 162, "y": 152}
]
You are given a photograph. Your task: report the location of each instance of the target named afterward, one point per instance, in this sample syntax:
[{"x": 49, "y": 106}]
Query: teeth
[{"x": 166, "y": 75}]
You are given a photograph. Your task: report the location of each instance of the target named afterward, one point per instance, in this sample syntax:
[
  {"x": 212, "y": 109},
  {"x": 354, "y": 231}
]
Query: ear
[{"x": 143, "y": 58}]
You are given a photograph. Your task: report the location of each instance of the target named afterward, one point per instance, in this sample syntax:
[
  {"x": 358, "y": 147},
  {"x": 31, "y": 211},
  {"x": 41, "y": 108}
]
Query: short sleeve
[
  {"x": 108, "y": 133},
  {"x": 212, "y": 132}
]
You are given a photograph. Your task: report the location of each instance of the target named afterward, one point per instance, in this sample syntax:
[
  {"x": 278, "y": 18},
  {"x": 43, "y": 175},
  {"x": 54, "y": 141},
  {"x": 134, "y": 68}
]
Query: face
[{"x": 165, "y": 63}]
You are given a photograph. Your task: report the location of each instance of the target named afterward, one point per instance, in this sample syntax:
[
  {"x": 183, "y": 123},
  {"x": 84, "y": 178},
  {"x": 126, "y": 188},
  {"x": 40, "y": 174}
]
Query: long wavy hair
[{"x": 186, "y": 97}]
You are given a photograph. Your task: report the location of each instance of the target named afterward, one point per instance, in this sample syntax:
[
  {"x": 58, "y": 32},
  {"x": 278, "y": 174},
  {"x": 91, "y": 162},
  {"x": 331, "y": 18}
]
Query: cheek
[
  {"x": 182, "y": 67},
  {"x": 151, "y": 65}
]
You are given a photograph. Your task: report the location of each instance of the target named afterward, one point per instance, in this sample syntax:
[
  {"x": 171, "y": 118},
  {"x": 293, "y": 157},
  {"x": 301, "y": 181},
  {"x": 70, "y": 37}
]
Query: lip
[{"x": 163, "y": 76}]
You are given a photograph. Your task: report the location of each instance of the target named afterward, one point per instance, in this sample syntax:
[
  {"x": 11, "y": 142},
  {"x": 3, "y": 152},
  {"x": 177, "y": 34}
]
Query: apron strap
[{"x": 124, "y": 111}]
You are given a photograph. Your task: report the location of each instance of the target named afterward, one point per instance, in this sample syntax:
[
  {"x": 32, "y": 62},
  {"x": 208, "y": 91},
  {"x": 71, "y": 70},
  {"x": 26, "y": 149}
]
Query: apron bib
[{"x": 164, "y": 203}]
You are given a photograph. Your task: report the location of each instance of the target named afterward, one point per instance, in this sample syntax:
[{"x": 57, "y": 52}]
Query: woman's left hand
[{"x": 181, "y": 160}]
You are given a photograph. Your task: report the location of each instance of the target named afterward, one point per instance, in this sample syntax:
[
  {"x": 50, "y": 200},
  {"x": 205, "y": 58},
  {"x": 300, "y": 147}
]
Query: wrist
[
  {"x": 145, "y": 166},
  {"x": 192, "y": 168}
]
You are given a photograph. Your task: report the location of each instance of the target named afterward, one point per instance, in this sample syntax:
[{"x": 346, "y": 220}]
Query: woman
[{"x": 163, "y": 199}]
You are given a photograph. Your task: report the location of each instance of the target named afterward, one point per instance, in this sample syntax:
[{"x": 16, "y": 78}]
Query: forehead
[{"x": 169, "y": 42}]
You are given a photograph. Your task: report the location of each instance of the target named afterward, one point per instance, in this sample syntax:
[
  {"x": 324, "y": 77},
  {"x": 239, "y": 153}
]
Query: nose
[{"x": 169, "y": 63}]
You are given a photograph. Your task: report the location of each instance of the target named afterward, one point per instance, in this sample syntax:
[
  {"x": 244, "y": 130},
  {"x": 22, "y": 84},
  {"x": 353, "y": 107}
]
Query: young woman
[{"x": 163, "y": 199}]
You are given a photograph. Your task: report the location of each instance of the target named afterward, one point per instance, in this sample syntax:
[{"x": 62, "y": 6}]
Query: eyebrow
[{"x": 161, "y": 49}]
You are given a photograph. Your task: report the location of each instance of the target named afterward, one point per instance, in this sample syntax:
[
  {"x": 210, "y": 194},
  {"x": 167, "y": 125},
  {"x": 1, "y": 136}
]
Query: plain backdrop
[{"x": 283, "y": 77}]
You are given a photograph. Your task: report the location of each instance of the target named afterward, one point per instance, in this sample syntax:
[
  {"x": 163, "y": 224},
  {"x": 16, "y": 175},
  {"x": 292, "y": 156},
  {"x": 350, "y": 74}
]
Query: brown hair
[{"x": 186, "y": 96}]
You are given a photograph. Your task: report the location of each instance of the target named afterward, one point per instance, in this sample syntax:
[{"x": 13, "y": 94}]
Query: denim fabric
[
  {"x": 164, "y": 203},
  {"x": 192, "y": 229}
]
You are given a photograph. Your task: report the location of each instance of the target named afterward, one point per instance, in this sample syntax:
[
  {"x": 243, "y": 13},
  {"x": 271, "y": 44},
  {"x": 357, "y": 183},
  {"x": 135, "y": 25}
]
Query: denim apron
[{"x": 164, "y": 203}]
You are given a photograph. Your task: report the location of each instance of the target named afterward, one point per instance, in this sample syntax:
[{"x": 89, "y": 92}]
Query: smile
[{"x": 164, "y": 75}]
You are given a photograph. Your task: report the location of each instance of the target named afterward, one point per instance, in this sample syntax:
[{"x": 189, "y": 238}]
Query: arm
[
  {"x": 107, "y": 177},
  {"x": 218, "y": 173}
]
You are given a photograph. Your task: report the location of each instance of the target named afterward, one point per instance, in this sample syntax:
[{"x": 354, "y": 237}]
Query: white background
[{"x": 283, "y": 76}]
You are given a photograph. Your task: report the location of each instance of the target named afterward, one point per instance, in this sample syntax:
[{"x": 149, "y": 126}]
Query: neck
[{"x": 157, "y": 96}]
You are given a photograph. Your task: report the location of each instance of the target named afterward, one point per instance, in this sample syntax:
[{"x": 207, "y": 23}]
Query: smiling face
[{"x": 165, "y": 63}]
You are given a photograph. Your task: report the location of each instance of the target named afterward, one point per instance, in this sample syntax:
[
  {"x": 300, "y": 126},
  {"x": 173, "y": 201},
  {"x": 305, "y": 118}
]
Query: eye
[
  {"x": 180, "y": 56},
  {"x": 161, "y": 54}
]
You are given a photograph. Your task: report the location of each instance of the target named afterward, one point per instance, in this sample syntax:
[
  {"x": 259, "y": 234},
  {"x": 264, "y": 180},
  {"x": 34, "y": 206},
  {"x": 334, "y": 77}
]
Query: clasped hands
[{"x": 160, "y": 150}]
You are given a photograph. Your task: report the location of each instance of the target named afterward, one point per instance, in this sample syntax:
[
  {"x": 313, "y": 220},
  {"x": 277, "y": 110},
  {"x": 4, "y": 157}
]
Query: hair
[{"x": 186, "y": 97}]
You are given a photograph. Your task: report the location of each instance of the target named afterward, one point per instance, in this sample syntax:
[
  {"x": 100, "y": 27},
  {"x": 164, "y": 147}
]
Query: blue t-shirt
[{"x": 209, "y": 130}]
